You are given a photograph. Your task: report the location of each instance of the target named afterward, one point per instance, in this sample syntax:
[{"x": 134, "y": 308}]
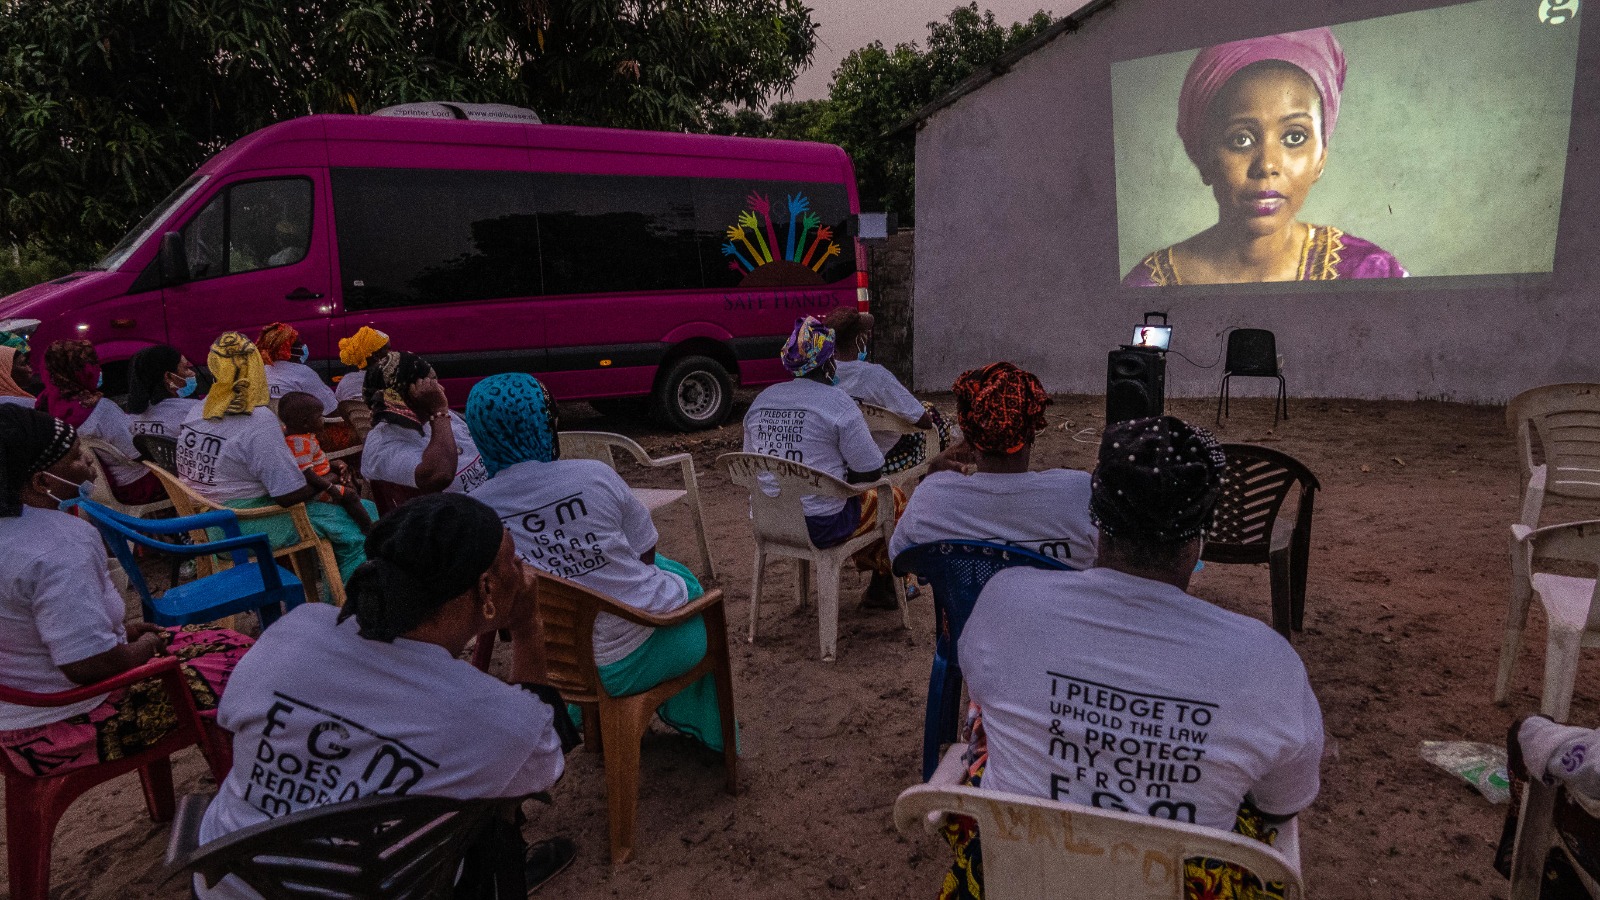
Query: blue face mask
[
  {"x": 861, "y": 356},
  {"x": 100, "y": 381},
  {"x": 302, "y": 354},
  {"x": 84, "y": 489},
  {"x": 187, "y": 390}
]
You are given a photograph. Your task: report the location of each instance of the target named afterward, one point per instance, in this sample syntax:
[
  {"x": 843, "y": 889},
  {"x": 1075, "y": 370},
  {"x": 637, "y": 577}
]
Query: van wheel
[{"x": 695, "y": 393}]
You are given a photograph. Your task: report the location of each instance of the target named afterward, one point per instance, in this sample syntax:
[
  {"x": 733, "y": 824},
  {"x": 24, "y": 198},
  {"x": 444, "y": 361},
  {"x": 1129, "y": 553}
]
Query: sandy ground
[{"x": 1408, "y": 581}]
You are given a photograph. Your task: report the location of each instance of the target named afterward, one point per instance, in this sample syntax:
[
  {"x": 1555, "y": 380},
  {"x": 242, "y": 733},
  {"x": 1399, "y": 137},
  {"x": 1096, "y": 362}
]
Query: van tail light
[{"x": 863, "y": 299}]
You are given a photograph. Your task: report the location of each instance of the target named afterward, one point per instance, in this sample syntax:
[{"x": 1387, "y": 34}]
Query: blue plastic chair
[
  {"x": 253, "y": 584},
  {"x": 957, "y": 571}
]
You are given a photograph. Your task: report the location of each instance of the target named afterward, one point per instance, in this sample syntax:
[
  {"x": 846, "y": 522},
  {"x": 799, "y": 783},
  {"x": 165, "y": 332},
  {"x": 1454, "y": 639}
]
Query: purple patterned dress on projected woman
[{"x": 1330, "y": 254}]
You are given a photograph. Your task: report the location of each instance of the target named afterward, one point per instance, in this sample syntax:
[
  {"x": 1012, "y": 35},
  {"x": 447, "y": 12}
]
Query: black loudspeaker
[{"x": 1136, "y": 384}]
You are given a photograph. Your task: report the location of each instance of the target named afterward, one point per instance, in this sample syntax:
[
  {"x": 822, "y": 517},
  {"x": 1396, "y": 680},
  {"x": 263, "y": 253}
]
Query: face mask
[
  {"x": 187, "y": 390},
  {"x": 84, "y": 489},
  {"x": 302, "y": 354},
  {"x": 861, "y": 356},
  {"x": 100, "y": 381}
]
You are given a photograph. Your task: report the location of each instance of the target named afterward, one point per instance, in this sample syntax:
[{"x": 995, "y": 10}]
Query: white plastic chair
[
  {"x": 780, "y": 530},
  {"x": 1571, "y": 613},
  {"x": 600, "y": 444},
  {"x": 1037, "y": 849},
  {"x": 1565, "y": 418},
  {"x": 880, "y": 420},
  {"x": 99, "y": 452},
  {"x": 1537, "y": 834}
]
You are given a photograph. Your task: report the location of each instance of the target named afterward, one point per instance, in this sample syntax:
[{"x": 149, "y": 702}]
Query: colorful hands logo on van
[{"x": 753, "y": 248}]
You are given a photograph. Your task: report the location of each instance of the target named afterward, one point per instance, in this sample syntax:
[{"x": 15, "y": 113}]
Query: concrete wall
[
  {"x": 890, "y": 272},
  {"x": 1017, "y": 239}
]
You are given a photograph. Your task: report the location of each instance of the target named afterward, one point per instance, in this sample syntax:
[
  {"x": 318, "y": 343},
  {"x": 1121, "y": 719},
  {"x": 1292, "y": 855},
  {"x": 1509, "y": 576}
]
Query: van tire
[{"x": 694, "y": 393}]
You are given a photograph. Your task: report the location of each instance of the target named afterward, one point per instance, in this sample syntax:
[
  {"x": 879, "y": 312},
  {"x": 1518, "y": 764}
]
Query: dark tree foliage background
[{"x": 107, "y": 105}]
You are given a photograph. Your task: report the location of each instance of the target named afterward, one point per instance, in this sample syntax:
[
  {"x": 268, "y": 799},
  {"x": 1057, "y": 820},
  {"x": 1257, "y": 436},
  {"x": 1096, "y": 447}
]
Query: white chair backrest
[
  {"x": 781, "y": 518},
  {"x": 882, "y": 420},
  {"x": 1566, "y": 420},
  {"x": 597, "y": 445},
  {"x": 1034, "y": 849},
  {"x": 1574, "y": 542}
]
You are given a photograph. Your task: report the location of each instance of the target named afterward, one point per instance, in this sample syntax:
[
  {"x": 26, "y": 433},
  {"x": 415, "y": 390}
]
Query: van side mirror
[{"x": 174, "y": 259}]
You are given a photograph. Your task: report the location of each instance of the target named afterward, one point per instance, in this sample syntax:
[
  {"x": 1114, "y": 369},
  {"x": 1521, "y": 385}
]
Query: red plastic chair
[{"x": 35, "y": 803}]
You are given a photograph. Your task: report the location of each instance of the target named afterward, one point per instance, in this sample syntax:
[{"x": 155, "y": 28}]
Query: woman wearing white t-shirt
[
  {"x": 285, "y": 356},
  {"x": 232, "y": 451},
  {"x": 416, "y": 441},
  {"x": 1001, "y": 411},
  {"x": 325, "y": 709},
  {"x": 358, "y": 351},
  {"x": 161, "y": 385},
  {"x": 74, "y": 397},
  {"x": 61, "y": 619},
  {"x": 871, "y": 383},
  {"x": 576, "y": 518}
]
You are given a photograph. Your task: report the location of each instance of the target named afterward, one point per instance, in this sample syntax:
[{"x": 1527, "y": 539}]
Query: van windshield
[{"x": 147, "y": 226}]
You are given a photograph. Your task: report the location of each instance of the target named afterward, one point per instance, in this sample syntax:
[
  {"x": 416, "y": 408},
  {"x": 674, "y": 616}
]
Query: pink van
[{"x": 611, "y": 264}]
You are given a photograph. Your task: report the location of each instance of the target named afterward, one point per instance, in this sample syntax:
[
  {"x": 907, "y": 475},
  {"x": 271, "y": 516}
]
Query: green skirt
[{"x": 329, "y": 520}]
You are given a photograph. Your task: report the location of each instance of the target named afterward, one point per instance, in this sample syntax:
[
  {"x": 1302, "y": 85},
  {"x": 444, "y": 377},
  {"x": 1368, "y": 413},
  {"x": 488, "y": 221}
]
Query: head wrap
[
  {"x": 8, "y": 382},
  {"x": 1315, "y": 51},
  {"x": 30, "y": 441},
  {"x": 356, "y": 349},
  {"x": 147, "y": 376},
  {"x": 512, "y": 420},
  {"x": 809, "y": 347},
  {"x": 277, "y": 342},
  {"x": 73, "y": 369},
  {"x": 14, "y": 341},
  {"x": 1157, "y": 480},
  {"x": 241, "y": 379},
  {"x": 419, "y": 558},
  {"x": 1000, "y": 407},
  {"x": 387, "y": 380}
]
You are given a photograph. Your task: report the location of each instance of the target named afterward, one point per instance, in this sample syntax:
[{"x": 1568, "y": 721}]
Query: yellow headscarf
[
  {"x": 241, "y": 378},
  {"x": 356, "y": 349}
]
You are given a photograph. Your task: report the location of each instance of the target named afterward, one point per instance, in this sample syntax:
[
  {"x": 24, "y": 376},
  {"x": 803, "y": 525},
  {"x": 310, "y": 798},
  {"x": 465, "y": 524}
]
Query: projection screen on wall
[{"x": 1422, "y": 144}]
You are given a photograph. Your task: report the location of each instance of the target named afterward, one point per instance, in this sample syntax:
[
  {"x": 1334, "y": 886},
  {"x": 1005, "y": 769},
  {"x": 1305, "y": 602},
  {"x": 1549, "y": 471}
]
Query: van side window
[
  {"x": 249, "y": 226},
  {"x": 610, "y": 233}
]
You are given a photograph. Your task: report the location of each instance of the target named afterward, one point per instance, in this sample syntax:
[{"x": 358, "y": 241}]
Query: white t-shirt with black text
[
  {"x": 816, "y": 425},
  {"x": 109, "y": 423},
  {"x": 286, "y": 377},
  {"x": 1115, "y": 691},
  {"x": 349, "y": 386},
  {"x": 320, "y": 714},
  {"x": 1046, "y": 512},
  {"x": 392, "y": 453},
  {"x": 57, "y": 607},
  {"x": 576, "y": 518},
  {"x": 872, "y": 383},
  {"x": 237, "y": 457},
  {"x": 165, "y": 419}
]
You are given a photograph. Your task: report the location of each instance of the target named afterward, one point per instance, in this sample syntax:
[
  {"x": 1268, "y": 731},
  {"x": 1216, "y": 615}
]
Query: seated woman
[
  {"x": 16, "y": 375},
  {"x": 378, "y": 691},
  {"x": 232, "y": 452},
  {"x": 404, "y": 447},
  {"x": 357, "y": 351},
  {"x": 812, "y": 422},
  {"x": 1001, "y": 410},
  {"x": 612, "y": 549},
  {"x": 1104, "y": 687},
  {"x": 61, "y": 619},
  {"x": 74, "y": 397},
  {"x": 1255, "y": 118},
  {"x": 871, "y": 383},
  {"x": 285, "y": 358},
  {"x": 161, "y": 386}
]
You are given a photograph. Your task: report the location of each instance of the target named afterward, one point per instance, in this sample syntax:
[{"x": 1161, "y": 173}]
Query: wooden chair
[
  {"x": 779, "y": 521},
  {"x": 1565, "y": 420},
  {"x": 617, "y": 724},
  {"x": 1038, "y": 849},
  {"x": 880, "y": 420},
  {"x": 100, "y": 453},
  {"x": 1245, "y": 527},
  {"x": 358, "y": 414},
  {"x": 1572, "y": 617},
  {"x": 600, "y": 445},
  {"x": 309, "y": 551}
]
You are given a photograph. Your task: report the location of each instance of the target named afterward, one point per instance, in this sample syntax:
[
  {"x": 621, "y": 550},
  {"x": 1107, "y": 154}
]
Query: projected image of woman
[{"x": 1255, "y": 117}]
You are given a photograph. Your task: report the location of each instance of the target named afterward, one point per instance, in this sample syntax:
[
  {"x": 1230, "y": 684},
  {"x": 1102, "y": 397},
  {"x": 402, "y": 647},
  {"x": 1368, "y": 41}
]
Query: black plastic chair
[
  {"x": 159, "y": 449},
  {"x": 389, "y": 846},
  {"x": 1245, "y": 527},
  {"x": 957, "y": 571},
  {"x": 1252, "y": 353}
]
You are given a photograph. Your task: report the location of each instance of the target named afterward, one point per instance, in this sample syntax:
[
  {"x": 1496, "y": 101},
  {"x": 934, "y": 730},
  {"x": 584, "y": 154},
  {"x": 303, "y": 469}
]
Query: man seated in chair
[
  {"x": 811, "y": 421},
  {"x": 1116, "y": 688},
  {"x": 1001, "y": 411}
]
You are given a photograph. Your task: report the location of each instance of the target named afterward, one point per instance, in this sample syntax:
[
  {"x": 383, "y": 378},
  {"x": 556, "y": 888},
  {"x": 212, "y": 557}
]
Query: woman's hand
[
  {"x": 138, "y": 631},
  {"x": 427, "y": 397}
]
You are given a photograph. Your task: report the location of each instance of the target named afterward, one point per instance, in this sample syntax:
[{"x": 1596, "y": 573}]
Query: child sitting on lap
[{"x": 301, "y": 414}]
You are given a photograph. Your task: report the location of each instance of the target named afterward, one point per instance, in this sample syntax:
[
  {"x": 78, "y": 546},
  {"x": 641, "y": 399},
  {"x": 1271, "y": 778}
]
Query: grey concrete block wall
[{"x": 1017, "y": 256}]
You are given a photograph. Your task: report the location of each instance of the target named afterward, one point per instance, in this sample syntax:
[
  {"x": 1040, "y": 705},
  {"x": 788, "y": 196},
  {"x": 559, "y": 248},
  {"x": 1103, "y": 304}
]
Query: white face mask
[{"x": 84, "y": 489}]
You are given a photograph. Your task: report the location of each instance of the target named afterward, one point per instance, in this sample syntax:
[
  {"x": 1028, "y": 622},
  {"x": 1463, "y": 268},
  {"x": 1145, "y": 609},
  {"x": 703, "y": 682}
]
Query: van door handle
[{"x": 302, "y": 294}]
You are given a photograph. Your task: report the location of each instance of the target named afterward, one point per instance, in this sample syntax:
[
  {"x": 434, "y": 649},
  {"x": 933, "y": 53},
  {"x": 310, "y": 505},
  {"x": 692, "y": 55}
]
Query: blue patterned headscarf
[{"x": 512, "y": 420}]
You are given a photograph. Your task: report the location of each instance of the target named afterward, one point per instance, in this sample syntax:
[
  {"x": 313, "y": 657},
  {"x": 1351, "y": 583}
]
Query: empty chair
[
  {"x": 1252, "y": 353},
  {"x": 1561, "y": 424},
  {"x": 1572, "y": 617},
  {"x": 600, "y": 445},
  {"x": 779, "y": 520},
  {"x": 1245, "y": 527},
  {"x": 957, "y": 572}
]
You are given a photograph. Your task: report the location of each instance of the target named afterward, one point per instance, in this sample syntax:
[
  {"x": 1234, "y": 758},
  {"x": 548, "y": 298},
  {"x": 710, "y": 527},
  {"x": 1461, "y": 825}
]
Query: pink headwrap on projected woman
[{"x": 1314, "y": 51}]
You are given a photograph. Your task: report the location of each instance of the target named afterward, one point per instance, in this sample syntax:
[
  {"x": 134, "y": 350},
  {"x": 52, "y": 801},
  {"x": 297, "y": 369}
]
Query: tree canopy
[{"x": 108, "y": 104}]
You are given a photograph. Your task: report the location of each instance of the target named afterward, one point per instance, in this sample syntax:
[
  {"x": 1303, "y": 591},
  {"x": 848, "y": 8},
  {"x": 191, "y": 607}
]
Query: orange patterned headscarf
[
  {"x": 277, "y": 342},
  {"x": 1000, "y": 407}
]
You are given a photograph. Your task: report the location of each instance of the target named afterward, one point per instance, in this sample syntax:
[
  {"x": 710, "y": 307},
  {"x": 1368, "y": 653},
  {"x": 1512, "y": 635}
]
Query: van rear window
[{"x": 411, "y": 237}]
